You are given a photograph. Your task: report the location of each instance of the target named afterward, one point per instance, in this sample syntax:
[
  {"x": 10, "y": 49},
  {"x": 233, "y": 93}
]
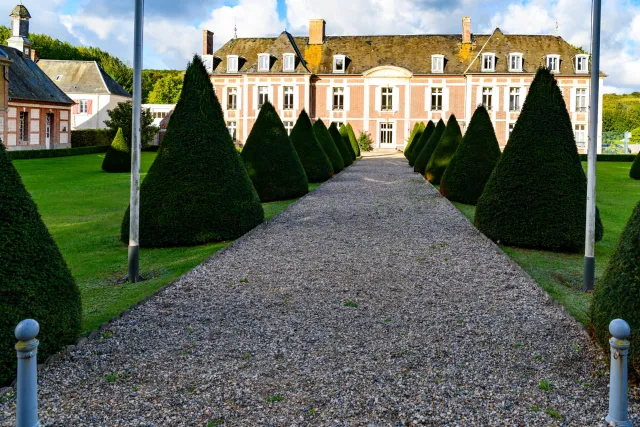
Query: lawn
[
  {"x": 83, "y": 208},
  {"x": 560, "y": 274}
]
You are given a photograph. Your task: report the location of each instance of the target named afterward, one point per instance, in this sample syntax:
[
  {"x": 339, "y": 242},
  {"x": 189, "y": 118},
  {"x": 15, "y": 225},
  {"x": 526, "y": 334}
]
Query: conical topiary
[
  {"x": 118, "y": 156},
  {"x": 473, "y": 162},
  {"x": 197, "y": 189},
  {"x": 536, "y": 195},
  {"x": 617, "y": 294},
  {"x": 417, "y": 130},
  {"x": 353, "y": 140},
  {"x": 444, "y": 151},
  {"x": 422, "y": 142},
  {"x": 328, "y": 145},
  {"x": 316, "y": 163},
  {"x": 635, "y": 168},
  {"x": 344, "y": 132},
  {"x": 428, "y": 148},
  {"x": 271, "y": 161},
  {"x": 340, "y": 143},
  {"x": 35, "y": 282}
]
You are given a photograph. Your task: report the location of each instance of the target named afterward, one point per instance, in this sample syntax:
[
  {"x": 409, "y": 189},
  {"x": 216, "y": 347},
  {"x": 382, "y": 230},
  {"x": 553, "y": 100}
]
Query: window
[
  {"x": 263, "y": 95},
  {"x": 83, "y": 106},
  {"x": 287, "y": 103},
  {"x": 515, "y": 62},
  {"x": 437, "y": 63},
  {"x": 582, "y": 64},
  {"x": 488, "y": 62},
  {"x": 511, "y": 126},
  {"x": 232, "y": 130},
  {"x": 288, "y": 126},
  {"x": 338, "y": 98},
  {"x": 553, "y": 63},
  {"x": 338, "y": 63},
  {"x": 232, "y": 64},
  {"x": 386, "y": 133},
  {"x": 436, "y": 99},
  {"x": 581, "y": 100},
  {"x": 387, "y": 99},
  {"x": 24, "y": 126},
  {"x": 487, "y": 98},
  {"x": 514, "y": 99},
  {"x": 232, "y": 98},
  {"x": 289, "y": 62},
  {"x": 580, "y": 135},
  {"x": 264, "y": 62}
]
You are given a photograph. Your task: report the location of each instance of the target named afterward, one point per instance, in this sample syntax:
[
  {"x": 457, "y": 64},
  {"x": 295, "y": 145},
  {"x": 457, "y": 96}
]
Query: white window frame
[
  {"x": 232, "y": 63},
  {"x": 83, "y": 106},
  {"x": 264, "y": 62},
  {"x": 584, "y": 69},
  {"x": 232, "y": 98},
  {"x": 288, "y": 126},
  {"x": 386, "y": 92},
  {"x": 435, "y": 94},
  {"x": 581, "y": 100},
  {"x": 288, "y": 92},
  {"x": 518, "y": 57},
  {"x": 337, "y": 58},
  {"x": 515, "y": 99},
  {"x": 262, "y": 97},
  {"x": 580, "y": 130},
  {"x": 387, "y": 129},
  {"x": 550, "y": 59},
  {"x": 487, "y": 92},
  {"x": 492, "y": 58},
  {"x": 337, "y": 98},
  {"x": 437, "y": 64},
  {"x": 232, "y": 127},
  {"x": 23, "y": 124},
  {"x": 288, "y": 62}
]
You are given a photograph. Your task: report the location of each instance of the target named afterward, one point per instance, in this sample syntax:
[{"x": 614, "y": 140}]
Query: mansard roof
[{"x": 412, "y": 52}]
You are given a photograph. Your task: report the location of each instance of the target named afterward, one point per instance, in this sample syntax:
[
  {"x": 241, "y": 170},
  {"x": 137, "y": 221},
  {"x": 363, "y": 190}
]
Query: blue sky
[{"x": 172, "y": 27}]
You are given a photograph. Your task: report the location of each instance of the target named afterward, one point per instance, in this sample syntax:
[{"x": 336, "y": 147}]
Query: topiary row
[
  {"x": 427, "y": 145},
  {"x": 444, "y": 151},
  {"x": 419, "y": 144}
]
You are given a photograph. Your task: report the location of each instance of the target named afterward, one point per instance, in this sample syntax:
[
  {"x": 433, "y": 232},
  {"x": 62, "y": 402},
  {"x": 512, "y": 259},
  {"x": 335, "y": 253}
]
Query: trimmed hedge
[
  {"x": 340, "y": 143},
  {"x": 634, "y": 172},
  {"x": 344, "y": 132},
  {"x": 328, "y": 145},
  {"x": 35, "y": 282},
  {"x": 91, "y": 137},
  {"x": 62, "y": 152},
  {"x": 271, "y": 161},
  {"x": 473, "y": 162},
  {"x": 444, "y": 152},
  {"x": 536, "y": 195},
  {"x": 611, "y": 157},
  {"x": 416, "y": 147},
  {"x": 315, "y": 161},
  {"x": 118, "y": 157},
  {"x": 417, "y": 130},
  {"x": 617, "y": 294},
  {"x": 353, "y": 140},
  {"x": 197, "y": 189},
  {"x": 427, "y": 147}
]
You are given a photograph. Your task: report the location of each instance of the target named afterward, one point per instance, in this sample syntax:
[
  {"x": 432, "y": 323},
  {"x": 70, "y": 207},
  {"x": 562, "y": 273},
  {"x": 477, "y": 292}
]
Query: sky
[{"x": 173, "y": 27}]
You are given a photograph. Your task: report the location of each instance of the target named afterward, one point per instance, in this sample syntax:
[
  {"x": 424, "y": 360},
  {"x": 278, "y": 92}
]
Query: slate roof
[
  {"x": 412, "y": 52},
  {"x": 81, "y": 77},
  {"x": 28, "y": 82}
]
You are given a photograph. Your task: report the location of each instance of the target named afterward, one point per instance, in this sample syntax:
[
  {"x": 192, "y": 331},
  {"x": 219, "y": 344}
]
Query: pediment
[{"x": 388, "y": 71}]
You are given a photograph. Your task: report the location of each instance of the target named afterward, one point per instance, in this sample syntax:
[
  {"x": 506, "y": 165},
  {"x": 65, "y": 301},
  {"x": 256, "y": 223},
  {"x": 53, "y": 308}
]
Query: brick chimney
[
  {"x": 207, "y": 42},
  {"x": 466, "y": 29},
  {"x": 316, "y": 31},
  {"x": 35, "y": 55}
]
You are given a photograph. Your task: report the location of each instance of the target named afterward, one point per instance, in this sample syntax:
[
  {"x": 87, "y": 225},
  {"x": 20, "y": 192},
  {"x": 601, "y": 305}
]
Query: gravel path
[{"x": 372, "y": 301}]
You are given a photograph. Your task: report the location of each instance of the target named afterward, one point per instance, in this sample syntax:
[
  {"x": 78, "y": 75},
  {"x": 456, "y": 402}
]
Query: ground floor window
[
  {"x": 580, "y": 135},
  {"x": 24, "y": 126},
  {"x": 288, "y": 125},
  {"x": 511, "y": 125},
  {"x": 436, "y": 99},
  {"x": 386, "y": 133},
  {"x": 232, "y": 126}
]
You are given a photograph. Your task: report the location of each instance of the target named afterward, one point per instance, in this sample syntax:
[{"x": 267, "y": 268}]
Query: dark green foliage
[
  {"x": 316, "y": 163},
  {"x": 617, "y": 294},
  {"x": 34, "y": 279},
  {"x": 353, "y": 140},
  {"x": 340, "y": 143},
  {"x": 611, "y": 157},
  {"x": 417, "y": 130},
  {"x": 328, "y": 145},
  {"x": 271, "y": 161},
  {"x": 365, "y": 142},
  {"x": 62, "y": 152},
  {"x": 344, "y": 132},
  {"x": 473, "y": 161},
  {"x": 427, "y": 146},
  {"x": 91, "y": 137},
  {"x": 536, "y": 195},
  {"x": 635, "y": 168},
  {"x": 444, "y": 152},
  {"x": 419, "y": 144},
  {"x": 118, "y": 157},
  {"x": 121, "y": 117},
  {"x": 197, "y": 189}
]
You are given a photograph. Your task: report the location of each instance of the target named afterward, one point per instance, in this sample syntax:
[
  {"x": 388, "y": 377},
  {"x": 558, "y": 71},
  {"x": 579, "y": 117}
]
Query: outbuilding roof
[{"x": 81, "y": 77}]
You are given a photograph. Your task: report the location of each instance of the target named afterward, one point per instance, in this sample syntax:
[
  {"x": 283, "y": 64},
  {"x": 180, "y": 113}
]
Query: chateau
[{"x": 385, "y": 84}]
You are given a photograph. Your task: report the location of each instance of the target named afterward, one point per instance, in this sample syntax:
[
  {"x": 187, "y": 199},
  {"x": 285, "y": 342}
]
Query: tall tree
[
  {"x": 121, "y": 117},
  {"x": 166, "y": 90}
]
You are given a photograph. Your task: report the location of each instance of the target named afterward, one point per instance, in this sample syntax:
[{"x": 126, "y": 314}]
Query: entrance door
[
  {"x": 386, "y": 135},
  {"x": 47, "y": 130}
]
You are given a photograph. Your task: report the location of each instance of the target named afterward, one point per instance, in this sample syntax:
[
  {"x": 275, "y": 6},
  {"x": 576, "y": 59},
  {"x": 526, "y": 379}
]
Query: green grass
[
  {"x": 561, "y": 274},
  {"x": 83, "y": 207}
]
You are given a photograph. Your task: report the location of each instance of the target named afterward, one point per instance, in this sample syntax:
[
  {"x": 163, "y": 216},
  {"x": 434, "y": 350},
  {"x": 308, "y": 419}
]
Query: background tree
[
  {"x": 427, "y": 145},
  {"x": 328, "y": 145},
  {"x": 121, "y": 116},
  {"x": 166, "y": 90},
  {"x": 340, "y": 143},
  {"x": 444, "y": 151},
  {"x": 316, "y": 163},
  {"x": 118, "y": 157}
]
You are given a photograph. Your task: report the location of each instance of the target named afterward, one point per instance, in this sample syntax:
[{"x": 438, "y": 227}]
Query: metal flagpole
[
  {"x": 134, "y": 250},
  {"x": 589, "y": 253}
]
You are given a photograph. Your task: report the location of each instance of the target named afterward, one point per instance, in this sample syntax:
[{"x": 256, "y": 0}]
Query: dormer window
[
  {"x": 582, "y": 63},
  {"x": 488, "y": 62},
  {"x": 553, "y": 63},
  {"x": 288, "y": 62},
  {"x": 437, "y": 63},
  {"x": 264, "y": 62},
  {"x": 339, "y": 64},
  {"x": 232, "y": 64},
  {"x": 515, "y": 62}
]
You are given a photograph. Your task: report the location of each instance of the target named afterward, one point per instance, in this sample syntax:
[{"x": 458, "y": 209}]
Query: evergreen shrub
[
  {"x": 444, "y": 151},
  {"x": 634, "y": 172},
  {"x": 341, "y": 145},
  {"x": 421, "y": 141},
  {"x": 427, "y": 146},
  {"x": 118, "y": 157},
  {"x": 328, "y": 145},
  {"x": 315, "y": 161}
]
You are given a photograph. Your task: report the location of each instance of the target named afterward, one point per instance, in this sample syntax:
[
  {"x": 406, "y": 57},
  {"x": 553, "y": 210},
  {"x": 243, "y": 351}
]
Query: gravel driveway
[{"x": 371, "y": 301}]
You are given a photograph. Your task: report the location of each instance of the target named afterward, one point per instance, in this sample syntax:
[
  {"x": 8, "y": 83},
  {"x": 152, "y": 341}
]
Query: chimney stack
[
  {"x": 35, "y": 55},
  {"x": 316, "y": 31},
  {"x": 466, "y": 29},
  {"x": 207, "y": 42}
]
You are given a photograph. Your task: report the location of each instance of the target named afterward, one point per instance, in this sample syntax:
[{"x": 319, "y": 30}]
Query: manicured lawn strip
[
  {"x": 83, "y": 206},
  {"x": 560, "y": 274}
]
